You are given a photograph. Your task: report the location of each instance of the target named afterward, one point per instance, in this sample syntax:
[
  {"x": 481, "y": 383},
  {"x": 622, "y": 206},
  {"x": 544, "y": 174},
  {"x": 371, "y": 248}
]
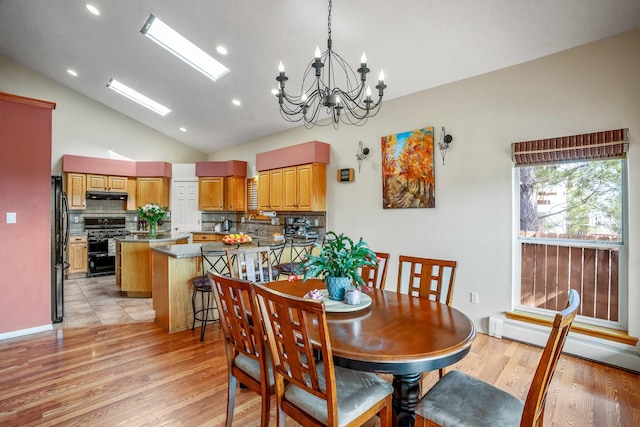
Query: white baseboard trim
[
  {"x": 28, "y": 331},
  {"x": 580, "y": 345}
]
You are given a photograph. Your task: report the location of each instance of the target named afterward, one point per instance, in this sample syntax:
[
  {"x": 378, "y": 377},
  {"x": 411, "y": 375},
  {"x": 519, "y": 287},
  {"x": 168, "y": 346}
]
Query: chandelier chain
[{"x": 329, "y": 20}]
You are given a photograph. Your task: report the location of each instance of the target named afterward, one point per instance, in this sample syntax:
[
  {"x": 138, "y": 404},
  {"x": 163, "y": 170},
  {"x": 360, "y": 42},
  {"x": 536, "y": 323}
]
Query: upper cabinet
[
  {"x": 270, "y": 187},
  {"x": 106, "y": 183},
  {"x": 153, "y": 190},
  {"x": 211, "y": 193},
  {"x": 235, "y": 193},
  {"x": 76, "y": 190},
  {"x": 222, "y": 186},
  {"x": 294, "y": 178}
]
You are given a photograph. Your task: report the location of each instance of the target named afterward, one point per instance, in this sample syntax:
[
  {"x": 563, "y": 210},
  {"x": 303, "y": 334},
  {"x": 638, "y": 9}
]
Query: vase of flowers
[
  {"x": 152, "y": 213},
  {"x": 338, "y": 263}
]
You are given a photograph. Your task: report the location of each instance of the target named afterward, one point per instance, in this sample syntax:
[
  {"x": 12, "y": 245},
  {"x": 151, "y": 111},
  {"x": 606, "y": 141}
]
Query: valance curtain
[{"x": 610, "y": 144}]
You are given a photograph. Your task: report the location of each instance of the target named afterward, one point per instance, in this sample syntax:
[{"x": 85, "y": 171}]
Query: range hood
[{"x": 106, "y": 195}]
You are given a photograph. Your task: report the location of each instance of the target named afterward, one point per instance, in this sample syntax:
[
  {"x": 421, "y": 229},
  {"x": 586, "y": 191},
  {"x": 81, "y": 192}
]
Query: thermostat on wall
[{"x": 345, "y": 175}]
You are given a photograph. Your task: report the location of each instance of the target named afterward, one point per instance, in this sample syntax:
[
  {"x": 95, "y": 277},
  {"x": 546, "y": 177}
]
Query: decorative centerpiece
[
  {"x": 338, "y": 264},
  {"x": 152, "y": 213}
]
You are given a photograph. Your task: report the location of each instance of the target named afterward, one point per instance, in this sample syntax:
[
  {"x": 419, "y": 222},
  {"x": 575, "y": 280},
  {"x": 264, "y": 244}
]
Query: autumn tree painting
[{"x": 407, "y": 170}]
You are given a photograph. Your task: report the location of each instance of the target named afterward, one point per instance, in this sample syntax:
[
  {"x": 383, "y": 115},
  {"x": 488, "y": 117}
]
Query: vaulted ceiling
[{"x": 420, "y": 44}]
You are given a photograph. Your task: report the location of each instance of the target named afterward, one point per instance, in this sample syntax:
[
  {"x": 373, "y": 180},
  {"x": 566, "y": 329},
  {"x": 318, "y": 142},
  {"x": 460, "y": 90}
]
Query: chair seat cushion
[
  {"x": 460, "y": 400},
  {"x": 289, "y": 268},
  {"x": 201, "y": 283},
  {"x": 356, "y": 391},
  {"x": 252, "y": 367}
]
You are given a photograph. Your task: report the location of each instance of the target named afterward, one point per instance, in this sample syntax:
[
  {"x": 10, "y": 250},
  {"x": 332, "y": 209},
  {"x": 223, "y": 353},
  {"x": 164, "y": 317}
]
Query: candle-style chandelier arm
[{"x": 330, "y": 85}]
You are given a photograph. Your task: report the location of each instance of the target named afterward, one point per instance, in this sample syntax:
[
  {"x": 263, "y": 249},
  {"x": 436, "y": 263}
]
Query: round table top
[{"x": 397, "y": 334}]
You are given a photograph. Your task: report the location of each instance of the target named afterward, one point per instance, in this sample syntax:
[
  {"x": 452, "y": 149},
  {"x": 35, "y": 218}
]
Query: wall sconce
[
  {"x": 445, "y": 140},
  {"x": 362, "y": 154}
]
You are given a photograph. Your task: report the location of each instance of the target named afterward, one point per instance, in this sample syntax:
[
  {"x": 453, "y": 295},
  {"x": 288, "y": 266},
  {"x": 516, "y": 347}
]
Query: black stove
[{"x": 101, "y": 232}]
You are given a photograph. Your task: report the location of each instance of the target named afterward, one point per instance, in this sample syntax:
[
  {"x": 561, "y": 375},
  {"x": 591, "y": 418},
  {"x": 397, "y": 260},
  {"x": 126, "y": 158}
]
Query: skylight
[
  {"x": 175, "y": 43},
  {"x": 136, "y": 96}
]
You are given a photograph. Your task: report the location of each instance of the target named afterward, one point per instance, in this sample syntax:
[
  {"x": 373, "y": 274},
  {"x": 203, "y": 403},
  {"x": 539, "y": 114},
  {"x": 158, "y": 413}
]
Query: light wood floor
[{"x": 138, "y": 375}]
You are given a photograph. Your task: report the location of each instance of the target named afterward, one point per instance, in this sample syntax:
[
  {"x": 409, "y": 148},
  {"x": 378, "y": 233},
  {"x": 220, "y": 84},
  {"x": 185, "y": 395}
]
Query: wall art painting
[{"x": 407, "y": 170}]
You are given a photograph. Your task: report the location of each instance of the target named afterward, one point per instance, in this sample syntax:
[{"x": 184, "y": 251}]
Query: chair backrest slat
[{"x": 214, "y": 260}]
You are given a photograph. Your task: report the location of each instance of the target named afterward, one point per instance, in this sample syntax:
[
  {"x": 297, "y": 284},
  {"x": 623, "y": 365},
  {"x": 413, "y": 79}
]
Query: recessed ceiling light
[
  {"x": 91, "y": 8},
  {"x": 177, "y": 44},
  {"x": 236, "y": 102},
  {"x": 136, "y": 96},
  {"x": 221, "y": 50},
  {"x": 183, "y": 129},
  {"x": 72, "y": 72}
]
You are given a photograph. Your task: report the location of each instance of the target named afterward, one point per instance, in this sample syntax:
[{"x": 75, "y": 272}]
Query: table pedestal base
[{"x": 406, "y": 394}]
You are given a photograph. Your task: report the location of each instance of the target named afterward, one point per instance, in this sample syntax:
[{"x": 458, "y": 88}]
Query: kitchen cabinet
[
  {"x": 133, "y": 264},
  {"x": 270, "y": 188},
  {"x": 77, "y": 254},
  {"x": 206, "y": 237},
  {"x": 153, "y": 190},
  {"x": 235, "y": 193},
  {"x": 76, "y": 190},
  {"x": 222, "y": 193},
  {"x": 211, "y": 194},
  {"x": 106, "y": 183},
  {"x": 304, "y": 187}
]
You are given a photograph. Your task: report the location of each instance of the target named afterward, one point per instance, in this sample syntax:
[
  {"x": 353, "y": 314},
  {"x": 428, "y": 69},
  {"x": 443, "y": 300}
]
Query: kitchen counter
[
  {"x": 141, "y": 238},
  {"x": 133, "y": 263}
]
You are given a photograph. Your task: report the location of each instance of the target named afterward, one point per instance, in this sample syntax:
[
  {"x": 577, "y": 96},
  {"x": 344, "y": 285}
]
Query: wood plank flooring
[{"x": 138, "y": 375}]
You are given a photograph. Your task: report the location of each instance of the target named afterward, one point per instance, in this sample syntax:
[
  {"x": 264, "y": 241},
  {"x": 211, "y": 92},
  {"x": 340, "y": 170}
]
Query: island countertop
[
  {"x": 141, "y": 238},
  {"x": 193, "y": 249}
]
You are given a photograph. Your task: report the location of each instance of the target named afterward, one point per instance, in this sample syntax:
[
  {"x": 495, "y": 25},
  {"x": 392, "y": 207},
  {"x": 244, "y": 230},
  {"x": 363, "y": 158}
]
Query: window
[{"x": 571, "y": 225}]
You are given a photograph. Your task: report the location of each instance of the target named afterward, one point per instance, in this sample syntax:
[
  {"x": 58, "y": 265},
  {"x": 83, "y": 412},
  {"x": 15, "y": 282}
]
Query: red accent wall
[
  {"x": 229, "y": 168},
  {"x": 300, "y": 154},
  {"x": 95, "y": 165},
  {"x": 25, "y": 188}
]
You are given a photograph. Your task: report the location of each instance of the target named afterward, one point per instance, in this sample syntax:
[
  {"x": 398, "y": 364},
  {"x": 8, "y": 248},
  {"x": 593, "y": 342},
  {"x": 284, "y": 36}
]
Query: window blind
[{"x": 608, "y": 144}]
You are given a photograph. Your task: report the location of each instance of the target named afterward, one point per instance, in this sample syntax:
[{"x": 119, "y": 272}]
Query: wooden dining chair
[
  {"x": 376, "y": 277},
  {"x": 461, "y": 400},
  {"x": 251, "y": 263},
  {"x": 315, "y": 392},
  {"x": 427, "y": 278},
  {"x": 245, "y": 343}
]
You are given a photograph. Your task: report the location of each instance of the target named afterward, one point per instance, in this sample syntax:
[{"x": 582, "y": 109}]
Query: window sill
[{"x": 577, "y": 327}]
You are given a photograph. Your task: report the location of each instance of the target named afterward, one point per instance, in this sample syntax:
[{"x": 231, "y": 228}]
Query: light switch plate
[{"x": 11, "y": 217}]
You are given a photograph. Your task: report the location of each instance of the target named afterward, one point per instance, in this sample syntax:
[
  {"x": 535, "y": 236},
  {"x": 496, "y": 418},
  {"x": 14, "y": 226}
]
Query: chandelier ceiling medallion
[{"x": 351, "y": 103}]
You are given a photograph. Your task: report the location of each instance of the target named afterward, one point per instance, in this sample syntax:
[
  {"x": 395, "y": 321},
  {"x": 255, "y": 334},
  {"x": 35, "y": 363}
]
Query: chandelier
[{"x": 321, "y": 97}]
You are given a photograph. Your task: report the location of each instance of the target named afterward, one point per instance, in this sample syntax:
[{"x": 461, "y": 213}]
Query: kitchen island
[
  {"x": 133, "y": 262},
  {"x": 172, "y": 269}
]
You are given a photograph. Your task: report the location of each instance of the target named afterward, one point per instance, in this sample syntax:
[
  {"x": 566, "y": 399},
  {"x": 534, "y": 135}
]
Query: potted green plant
[{"x": 338, "y": 263}]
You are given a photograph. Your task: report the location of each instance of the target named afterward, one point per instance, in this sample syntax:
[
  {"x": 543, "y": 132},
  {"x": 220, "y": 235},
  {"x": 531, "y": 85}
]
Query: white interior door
[{"x": 185, "y": 216}]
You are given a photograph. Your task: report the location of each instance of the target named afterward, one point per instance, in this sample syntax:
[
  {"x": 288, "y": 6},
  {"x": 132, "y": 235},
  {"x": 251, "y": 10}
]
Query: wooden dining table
[{"x": 396, "y": 334}]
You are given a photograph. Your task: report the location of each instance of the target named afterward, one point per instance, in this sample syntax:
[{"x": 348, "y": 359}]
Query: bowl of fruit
[
  {"x": 277, "y": 237},
  {"x": 237, "y": 238}
]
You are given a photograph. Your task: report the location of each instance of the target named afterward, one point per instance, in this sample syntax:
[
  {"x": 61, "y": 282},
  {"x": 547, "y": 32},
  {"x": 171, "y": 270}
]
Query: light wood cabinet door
[
  {"x": 106, "y": 183},
  {"x": 264, "y": 200},
  {"x": 235, "y": 189},
  {"x": 290, "y": 188},
  {"x": 206, "y": 237},
  {"x": 77, "y": 191},
  {"x": 312, "y": 187},
  {"x": 275, "y": 189},
  {"x": 152, "y": 190},
  {"x": 211, "y": 194},
  {"x": 77, "y": 254}
]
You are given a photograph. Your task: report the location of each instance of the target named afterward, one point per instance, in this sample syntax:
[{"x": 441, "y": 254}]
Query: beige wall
[
  {"x": 590, "y": 88},
  {"x": 84, "y": 127}
]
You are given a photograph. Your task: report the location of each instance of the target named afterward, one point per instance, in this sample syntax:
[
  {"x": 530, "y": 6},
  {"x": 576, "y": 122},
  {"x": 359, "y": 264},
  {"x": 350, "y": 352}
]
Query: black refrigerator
[{"x": 59, "y": 241}]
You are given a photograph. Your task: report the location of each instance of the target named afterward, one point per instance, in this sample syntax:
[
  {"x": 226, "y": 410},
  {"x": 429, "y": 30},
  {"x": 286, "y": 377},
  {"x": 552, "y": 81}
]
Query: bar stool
[{"x": 215, "y": 261}]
